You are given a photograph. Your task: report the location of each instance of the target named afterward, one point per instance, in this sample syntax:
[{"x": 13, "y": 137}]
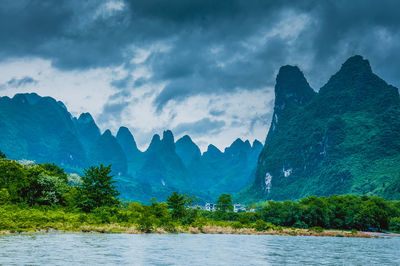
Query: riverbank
[{"x": 117, "y": 228}]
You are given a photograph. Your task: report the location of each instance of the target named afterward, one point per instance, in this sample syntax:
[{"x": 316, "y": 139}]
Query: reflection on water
[{"x": 183, "y": 249}]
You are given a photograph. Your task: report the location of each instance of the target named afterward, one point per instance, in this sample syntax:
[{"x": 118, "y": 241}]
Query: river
[{"x": 186, "y": 249}]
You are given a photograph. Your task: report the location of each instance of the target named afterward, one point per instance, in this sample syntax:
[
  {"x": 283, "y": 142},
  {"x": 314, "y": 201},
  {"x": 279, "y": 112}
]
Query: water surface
[{"x": 184, "y": 249}]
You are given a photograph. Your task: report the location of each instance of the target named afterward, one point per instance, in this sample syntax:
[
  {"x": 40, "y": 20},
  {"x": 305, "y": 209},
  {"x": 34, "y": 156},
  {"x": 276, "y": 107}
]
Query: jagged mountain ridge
[
  {"x": 41, "y": 129},
  {"x": 343, "y": 139}
]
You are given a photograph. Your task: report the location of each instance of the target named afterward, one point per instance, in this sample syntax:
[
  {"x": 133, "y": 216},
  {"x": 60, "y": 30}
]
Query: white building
[
  {"x": 239, "y": 208},
  {"x": 210, "y": 207}
]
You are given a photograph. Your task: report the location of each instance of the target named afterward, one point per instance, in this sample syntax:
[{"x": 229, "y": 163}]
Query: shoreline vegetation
[
  {"x": 42, "y": 198},
  {"x": 118, "y": 229}
]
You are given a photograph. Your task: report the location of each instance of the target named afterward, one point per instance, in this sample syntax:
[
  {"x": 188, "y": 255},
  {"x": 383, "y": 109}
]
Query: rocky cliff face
[{"x": 344, "y": 139}]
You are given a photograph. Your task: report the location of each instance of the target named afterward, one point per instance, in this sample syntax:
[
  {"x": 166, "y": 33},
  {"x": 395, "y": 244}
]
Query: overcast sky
[{"x": 204, "y": 68}]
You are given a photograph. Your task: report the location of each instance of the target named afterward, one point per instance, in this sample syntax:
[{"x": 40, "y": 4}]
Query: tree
[
  {"x": 51, "y": 188},
  {"x": 224, "y": 203},
  {"x": 177, "y": 203},
  {"x": 97, "y": 188},
  {"x": 13, "y": 178},
  {"x": 315, "y": 211},
  {"x": 54, "y": 170},
  {"x": 4, "y": 196},
  {"x": 2, "y": 155},
  {"x": 371, "y": 215}
]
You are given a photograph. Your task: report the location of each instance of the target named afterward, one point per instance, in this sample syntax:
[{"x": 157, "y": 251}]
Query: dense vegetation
[
  {"x": 345, "y": 139},
  {"x": 43, "y": 196}
]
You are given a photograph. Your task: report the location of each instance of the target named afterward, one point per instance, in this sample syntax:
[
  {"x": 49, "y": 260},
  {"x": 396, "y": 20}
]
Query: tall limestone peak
[
  {"x": 257, "y": 144},
  {"x": 346, "y": 140},
  {"x": 238, "y": 146},
  {"x": 88, "y": 131},
  {"x": 107, "y": 133},
  {"x": 291, "y": 88},
  {"x": 355, "y": 87},
  {"x": 353, "y": 75},
  {"x": 127, "y": 142},
  {"x": 32, "y": 98},
  {"x": 155, "y": 144},
  {"x": 162, "y": 165},
  {"x": 356, "y": 65},
  {"x": 291, "y": 91},
  {"x": 20, "y": 98},
  {"x": 187, "y": 150},
  {"x": 85, "y": 118},
  {"x": 125, "y": 136},
  {"x": 168, "y": 140},
  {"x": 212, "y": 151},
  {"x": 106, "y": 151}
]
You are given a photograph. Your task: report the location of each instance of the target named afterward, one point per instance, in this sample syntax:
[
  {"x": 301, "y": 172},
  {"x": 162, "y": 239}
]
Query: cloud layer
[{"x": 143, "y": 64}]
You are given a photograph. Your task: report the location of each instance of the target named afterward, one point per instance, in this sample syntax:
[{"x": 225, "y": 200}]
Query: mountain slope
[
  {"x": 88, "y": 131},
  {"x": 134, "y": 156},
  {"x": 107, "y": 150},
  {"x": 344, "y": 139},
  {"x": 41, "y": 129},
  {"x": 217, "y": 172},
  {"x": 162, "y": 166}
]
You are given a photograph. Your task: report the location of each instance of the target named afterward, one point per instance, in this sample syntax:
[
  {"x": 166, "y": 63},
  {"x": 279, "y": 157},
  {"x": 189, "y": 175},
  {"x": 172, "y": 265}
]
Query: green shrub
[
  {"x": 354, "y": 232},
  {"x": 260, "y": 225},
  {"x": 237, "y": 225},
  {"x": 199, "y": 222},
  {"x": 300, "y": 224},
  {"x": 317, "y": 229},
  {"x": 4, "y": 196},
  {"x": 394, "y": 224}
]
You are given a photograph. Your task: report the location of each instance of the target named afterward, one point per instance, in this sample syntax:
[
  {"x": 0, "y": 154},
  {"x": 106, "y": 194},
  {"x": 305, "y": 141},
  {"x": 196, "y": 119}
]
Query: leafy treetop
[
  {"x": 224, "y": 203},
  {"x": 177, "y": 203},
  {"x": 97, "y": 188}
]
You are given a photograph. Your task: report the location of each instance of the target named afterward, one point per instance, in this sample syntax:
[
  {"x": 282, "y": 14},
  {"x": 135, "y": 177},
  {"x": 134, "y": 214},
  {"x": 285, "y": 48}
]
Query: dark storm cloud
[
  {"x": 216, "y": 112},
  {"x": 18, "y": 82},
  {"x": 121, "y": 83},
  {"x": 113, "y": 111},
  {"x": 200, "y": 127},
  {"x": 21, "y": 82},
  {"x": 69, "y": 33},
  {"x": 213, "y": 46},
  {"x": 264, "y": 119}
]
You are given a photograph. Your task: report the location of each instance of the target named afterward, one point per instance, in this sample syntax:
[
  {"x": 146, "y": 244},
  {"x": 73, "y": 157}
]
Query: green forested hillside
[{"x": 344, "y": 139}]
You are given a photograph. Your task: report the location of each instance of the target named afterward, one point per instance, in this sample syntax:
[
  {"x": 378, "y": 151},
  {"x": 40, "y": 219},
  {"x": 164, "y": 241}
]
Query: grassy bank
[
  {"x": 43, "y": 197},
  {"x": 19, "y": 219}
]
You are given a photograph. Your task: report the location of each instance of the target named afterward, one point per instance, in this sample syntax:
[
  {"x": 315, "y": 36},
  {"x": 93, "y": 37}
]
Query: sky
[{"x": 204, "y": 68}]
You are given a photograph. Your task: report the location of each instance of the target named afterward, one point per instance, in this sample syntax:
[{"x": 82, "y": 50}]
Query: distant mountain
[
  {"x": 217, "y": 172},
  {"x": 88, "y": 131},
  {"x": 134, "y": 156},
  {"x": 187, "y": 150},
  {"x": 107, "y": 150},
  {"x": 343, "y": 139},
  {"x": 162, "y": 166},
  {"x": 41, "y": 129}
]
